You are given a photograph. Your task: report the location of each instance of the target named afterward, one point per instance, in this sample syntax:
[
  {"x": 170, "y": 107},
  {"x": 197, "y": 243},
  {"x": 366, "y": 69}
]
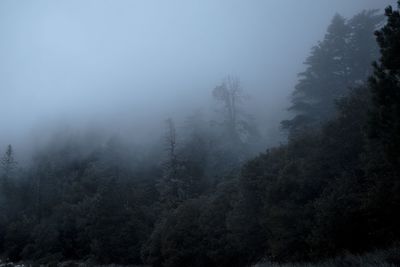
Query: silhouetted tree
[
  {"x": 8, "y": 165},
  {"x": 341, "y": 61},
  {"x": 383, "y": 151}
]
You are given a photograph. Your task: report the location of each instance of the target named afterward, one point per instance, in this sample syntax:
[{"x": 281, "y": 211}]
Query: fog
[{"x": 123, "y": 67}]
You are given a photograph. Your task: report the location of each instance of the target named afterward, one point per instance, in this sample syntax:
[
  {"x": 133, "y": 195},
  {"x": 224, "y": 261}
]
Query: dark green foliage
[
  {"x": 327, "y": 192},
  {"x": 79, "y": 206},
  {"x": 336, "y": 190},
  {"x": 383, "y": 151},
  {"x": 198, "y": 233},
  {"x": 341, "y": 61},
  {"x": 385, "y": 87}
]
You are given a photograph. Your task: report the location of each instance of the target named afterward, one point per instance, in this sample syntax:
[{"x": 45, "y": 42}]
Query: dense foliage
[
  {"x": 339, "y": 62},
  {"x": 199, "y": 198}
]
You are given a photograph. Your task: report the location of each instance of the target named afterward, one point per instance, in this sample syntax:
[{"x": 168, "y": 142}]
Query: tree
[
  {"x": 385, "y": 88},
  {"x": 7, "y": 166},
  {"x": 8, "y": 163},
  {"x": 237, "y": 137},
  {"x": 238, "y": 127},
  {"x": 229, "y": 93},
  {"x": 173, "y": 183},
  {"x": 7, "y": 185},
  {"x": 323, "y": 80},
  {"x": 362, "y": 48},
  {"x": 383, "y": 148},
  {"x": 341, "y": 61}
]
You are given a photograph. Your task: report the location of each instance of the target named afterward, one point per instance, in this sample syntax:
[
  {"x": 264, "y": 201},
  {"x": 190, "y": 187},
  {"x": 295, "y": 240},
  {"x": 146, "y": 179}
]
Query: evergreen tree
[
  {"x": 383, "y": 150},
  {"x": 320, "y": 84},
  {"x": 7, "y": 185},
  {"x": 341, "y": 61},
  {"x": 174, "y": 185},
  {"x": 385, "y": 89},
  {"x": 8, "y": 164},
  {"x": 362, "y": 48}
]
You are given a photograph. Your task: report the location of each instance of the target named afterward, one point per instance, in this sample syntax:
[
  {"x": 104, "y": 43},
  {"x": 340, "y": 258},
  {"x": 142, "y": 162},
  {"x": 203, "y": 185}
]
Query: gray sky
[{"x": 131, "y": 64}]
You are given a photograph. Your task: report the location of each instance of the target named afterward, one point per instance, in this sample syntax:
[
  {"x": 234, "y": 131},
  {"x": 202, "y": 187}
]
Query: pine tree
[
  {"x": 8, "y": 162},
  {"x": 319, "y": 85},
  {"x": 171, "y": 184},
  {"x": 385, "y": 89},
  {"x": 383, "y": 147},
  {"x": 8, "y": 165},
  {"x": 339, "y": 62},
  {"x": 362, "y": 47}
]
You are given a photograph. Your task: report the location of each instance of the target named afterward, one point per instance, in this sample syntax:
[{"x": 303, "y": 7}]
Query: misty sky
[{"x": 131, "y": 64}]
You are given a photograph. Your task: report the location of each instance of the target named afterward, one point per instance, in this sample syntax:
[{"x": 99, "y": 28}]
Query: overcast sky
[{"x": 119, "y": 63}]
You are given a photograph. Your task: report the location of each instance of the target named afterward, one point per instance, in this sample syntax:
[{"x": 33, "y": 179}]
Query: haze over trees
[
  {"x": 339, "y": 62},
  {"x": 204, "y": 195}
]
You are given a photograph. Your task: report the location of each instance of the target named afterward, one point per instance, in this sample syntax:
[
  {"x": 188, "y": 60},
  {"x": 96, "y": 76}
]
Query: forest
[{"x": 211, "y": 191}]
